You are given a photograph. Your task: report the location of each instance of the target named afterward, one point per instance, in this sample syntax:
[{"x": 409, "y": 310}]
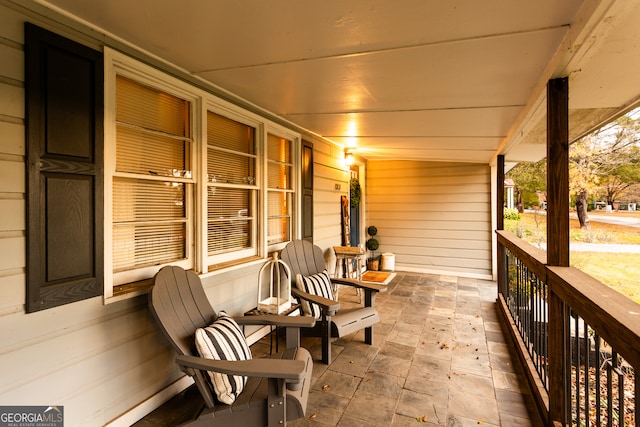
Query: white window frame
[
  {"x": 117, "y": 64},
  {"x": 232, "y": 112},
  {"x": 294, "y": 223},
  {"x": 201, "y": 101}
]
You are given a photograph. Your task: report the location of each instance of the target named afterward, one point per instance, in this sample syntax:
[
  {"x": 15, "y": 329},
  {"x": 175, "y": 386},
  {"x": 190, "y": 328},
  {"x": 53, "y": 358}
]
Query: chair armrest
[
  {"x": 276, "y": 320},
  {"x": 373, "y": 287},
  {"x": 328, "y": 306},
  {"x": 290, "y": 370}
]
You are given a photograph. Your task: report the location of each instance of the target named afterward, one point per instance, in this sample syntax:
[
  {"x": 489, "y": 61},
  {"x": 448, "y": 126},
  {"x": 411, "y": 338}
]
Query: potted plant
[
  {"x": 355, "y": 192},
  {"x": 372, "y": 245}
]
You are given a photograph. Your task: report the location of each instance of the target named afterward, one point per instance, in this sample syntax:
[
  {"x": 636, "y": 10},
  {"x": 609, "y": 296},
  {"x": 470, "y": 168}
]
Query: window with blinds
[
  {"x": 191, "y": 180},
  {"x": 231, "y": 187},
  {"x": 279, "y": 189},
  {"x": 152, "y": 181}
]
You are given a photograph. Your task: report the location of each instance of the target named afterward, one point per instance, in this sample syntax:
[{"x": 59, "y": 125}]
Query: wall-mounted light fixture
[{"x": 348, "y": 157}]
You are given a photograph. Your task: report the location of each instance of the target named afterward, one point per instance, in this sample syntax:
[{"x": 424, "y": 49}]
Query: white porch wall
[
  {"x": 97, "y": 361},
  {"x": 435, "y": 217},
  {"x": 100, "y": 361},
  {"x": 329, "y": 170}
]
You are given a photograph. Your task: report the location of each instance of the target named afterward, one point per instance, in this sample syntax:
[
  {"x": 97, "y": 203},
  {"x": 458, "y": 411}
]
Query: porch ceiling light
[{"x": 348, "y": 157}]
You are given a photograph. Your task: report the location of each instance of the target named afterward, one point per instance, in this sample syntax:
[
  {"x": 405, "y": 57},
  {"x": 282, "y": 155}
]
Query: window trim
[
  {"x": 296, "y": 186},
  {"x": 231, "y": 112},
  {"x": 116, "y": 63}
]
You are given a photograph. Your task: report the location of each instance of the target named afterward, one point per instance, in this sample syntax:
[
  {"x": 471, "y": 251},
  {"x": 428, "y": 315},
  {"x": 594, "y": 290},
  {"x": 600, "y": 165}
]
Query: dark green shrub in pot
[{"x": 372, "y": 245}]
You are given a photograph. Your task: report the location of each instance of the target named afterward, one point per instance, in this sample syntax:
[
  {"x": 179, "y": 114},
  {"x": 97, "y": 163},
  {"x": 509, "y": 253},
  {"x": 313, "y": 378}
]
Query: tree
[
  {"x": 605, "y": 161},
  {"x": 615, "y": 185},
  {"x": 582, "y": 180},
  {"x": 529, "y": 179}
]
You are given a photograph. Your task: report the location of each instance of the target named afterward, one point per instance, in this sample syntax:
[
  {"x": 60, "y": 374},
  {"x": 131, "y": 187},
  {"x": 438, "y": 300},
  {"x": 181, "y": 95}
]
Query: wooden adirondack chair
[
  {"x": 306, "y": 260},
  {"x": 277, "y": 388}
]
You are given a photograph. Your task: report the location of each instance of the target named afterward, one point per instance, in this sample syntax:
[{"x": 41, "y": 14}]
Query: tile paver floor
[{"x": 439, "y": 359}]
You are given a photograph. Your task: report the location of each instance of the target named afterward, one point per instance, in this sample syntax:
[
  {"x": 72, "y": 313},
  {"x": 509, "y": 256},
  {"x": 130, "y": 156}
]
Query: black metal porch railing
[
  {"x": 526, "y": 298},
  {"x": 579, "y": 340},
  {"x": 603, "y": 384}
]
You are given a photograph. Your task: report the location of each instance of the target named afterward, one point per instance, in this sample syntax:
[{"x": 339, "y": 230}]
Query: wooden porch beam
[
  {"x": 557, "y": 236},
  {"x": 558, "y": 172},
  {"x": 500, "y": 191}
]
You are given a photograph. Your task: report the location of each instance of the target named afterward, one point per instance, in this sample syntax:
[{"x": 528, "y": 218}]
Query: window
[
  {"x": 279, "y": 189},
  {"x": 232, "y": 189},
  {"x": 152, "y": 181},
  {"x": 190, "y": 180}
]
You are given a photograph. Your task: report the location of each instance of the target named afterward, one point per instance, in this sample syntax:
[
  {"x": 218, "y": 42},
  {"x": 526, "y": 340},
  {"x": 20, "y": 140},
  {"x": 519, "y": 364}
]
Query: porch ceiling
[{"x": 457, "y": 80}]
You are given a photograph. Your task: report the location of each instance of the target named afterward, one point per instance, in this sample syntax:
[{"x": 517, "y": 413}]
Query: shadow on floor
[{"x": 439, "y": 358}]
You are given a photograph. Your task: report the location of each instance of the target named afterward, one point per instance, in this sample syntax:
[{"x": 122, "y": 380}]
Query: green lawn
[{"x": 620, "y": 271}]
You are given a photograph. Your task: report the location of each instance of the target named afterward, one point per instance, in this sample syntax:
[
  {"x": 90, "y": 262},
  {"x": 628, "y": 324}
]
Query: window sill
[
  {"x": 142, "y": 287},
  {"x": 234, "y": 263},
  {"x": 130, "y": 290}
]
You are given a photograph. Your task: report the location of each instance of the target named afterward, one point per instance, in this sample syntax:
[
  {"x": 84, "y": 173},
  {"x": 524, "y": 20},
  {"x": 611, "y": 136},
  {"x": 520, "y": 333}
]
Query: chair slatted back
[
  {"x": 180, "y": 305},
  {"x": 303, "y": 258}
]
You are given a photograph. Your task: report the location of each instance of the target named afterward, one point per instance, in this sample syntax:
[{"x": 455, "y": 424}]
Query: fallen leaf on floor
[
  {"x": 422, "y": 419},
  {"x": 480, "y": 422},
  {"x": 352, "y": 362},
  {"x": 313, "y": 416},
  {"x": 325, "y": 387},
  {"x": 444, "y": 346}
]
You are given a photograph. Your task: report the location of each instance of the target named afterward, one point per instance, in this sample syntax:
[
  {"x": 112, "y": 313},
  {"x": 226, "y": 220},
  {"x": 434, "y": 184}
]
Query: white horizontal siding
[
  {"x": 100, "y": 361},
  {"x": 11, "y": 100},
  {"x": 432, "y": 216},
  {"x": 328, "y": 171},
  {"x": 97, "y": 361}
]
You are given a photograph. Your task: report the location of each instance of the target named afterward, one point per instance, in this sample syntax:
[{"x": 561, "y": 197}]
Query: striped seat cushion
[
  {"x": 224, "y": 340},
  {"x": 317, "y": 284}
]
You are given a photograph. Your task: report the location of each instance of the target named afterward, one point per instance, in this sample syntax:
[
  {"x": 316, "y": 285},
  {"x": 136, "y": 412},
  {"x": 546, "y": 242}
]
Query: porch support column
[
  {"x": 558, "y": 172},
  {"x": 500, "y": 195},
  {"x": 557, "y": 236},
  {"x": 500, "y": 255}
]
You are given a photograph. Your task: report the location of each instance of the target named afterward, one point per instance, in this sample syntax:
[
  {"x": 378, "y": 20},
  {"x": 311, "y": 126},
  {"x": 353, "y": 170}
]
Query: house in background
[{"x": 139, "y": 134}]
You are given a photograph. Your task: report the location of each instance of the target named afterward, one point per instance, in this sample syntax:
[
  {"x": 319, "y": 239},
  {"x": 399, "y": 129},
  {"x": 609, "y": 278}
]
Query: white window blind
[
  {"x": 152, "y": 179},
  {"x": 279, "y": 189},
  {"x": 231, "y": 186}
]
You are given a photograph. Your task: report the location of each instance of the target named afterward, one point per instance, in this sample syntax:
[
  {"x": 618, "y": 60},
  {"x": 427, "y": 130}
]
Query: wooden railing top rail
[
  {"x": 535, "y": 259},
  {"x": 615, "y": 317}
]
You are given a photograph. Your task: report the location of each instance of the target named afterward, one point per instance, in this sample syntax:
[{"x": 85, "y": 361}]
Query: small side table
[
  {"x": 254, "y": 312},
  {"x": 345, "y": 255},
  {"x": 348, "y": 254}
]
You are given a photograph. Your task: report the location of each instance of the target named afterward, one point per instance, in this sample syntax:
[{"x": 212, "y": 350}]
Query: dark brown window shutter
[
  {"x": 307, "y": 191},
  {"x": 64, "y": 84}
]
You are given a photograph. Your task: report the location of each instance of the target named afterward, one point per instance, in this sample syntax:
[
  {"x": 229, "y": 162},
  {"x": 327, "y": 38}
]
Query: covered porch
[
  {"x": 440, "y": 357},
  {"x": 435, "y": 101}
]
